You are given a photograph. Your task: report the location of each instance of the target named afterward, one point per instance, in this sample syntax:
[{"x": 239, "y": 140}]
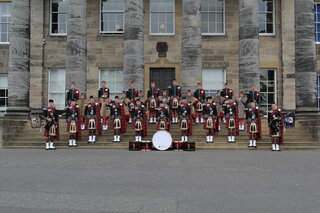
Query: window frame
[
  {"x": 3, "y": 110},
  {"x": 115, "y": 11},
  {"x": 315, "y": 22},
  {"x": 223, "y": 80},
  {"x": 8, "y": 23},
  {"x": 224, "y": 23},
  {"x": 173, "y": 21},
  {"x": 100, "y": 79},
  {"x": 273, "y": 23},
  {"x": 275, "y": 87},
  {"x": 49, "y": 84},
  {"x": 50, "y": 22}
]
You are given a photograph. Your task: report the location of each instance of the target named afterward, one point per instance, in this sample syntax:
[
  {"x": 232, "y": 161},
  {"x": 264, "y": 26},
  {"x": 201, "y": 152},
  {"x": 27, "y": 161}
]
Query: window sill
[{"x": 267, "y": 35}]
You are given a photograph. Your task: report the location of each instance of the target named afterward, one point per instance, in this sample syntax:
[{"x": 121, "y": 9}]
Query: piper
[
  {"x": 276, "y": 126},
  {"x": 51, "y": 132},
  {"x": 200, "y": 95},
  {"x": 117, "y": 119},
  {"x": 73, "y": 120},
  {"x": 163, "y": 121},
  {"x": 174, "y": 94},
  {"x": 232, "y": 120},
  {"x": 210, "y": 115},
  {"x": 72, "y": 93},
  {"x": 185, "y": 121},
  {"x": 92, "y": 115},
  {"x": 254, "y": 124},
  {"x": 153, "y": 94},
  {"x": 140, "y": 121}
]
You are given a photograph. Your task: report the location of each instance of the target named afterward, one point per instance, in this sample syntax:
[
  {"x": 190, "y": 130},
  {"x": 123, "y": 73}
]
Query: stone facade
[{"x": 107, "y": 51}]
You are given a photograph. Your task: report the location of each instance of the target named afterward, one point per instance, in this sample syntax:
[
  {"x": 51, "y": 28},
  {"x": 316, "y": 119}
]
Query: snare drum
[
  {"x": 177, "y": 146},
  {"x": 134, "y": 146},
  {"x": 189, "y": 146},
  {"x": 146, "y": 146},
  {"x": 162, "y": 140}
]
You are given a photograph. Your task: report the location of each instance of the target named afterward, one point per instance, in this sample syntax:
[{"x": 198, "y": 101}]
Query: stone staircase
[{"x": 298, "y": 138}]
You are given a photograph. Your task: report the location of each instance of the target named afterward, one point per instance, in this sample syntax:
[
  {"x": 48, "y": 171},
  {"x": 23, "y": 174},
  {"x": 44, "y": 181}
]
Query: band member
[
  {"x": 51, "y": 132},
  {"x": 153, "y": 94},
  {"x": 185, "y": 121},
  {"x": 163, "y": 120},
  {"x": 82, "y": 102},
  {"x": 219, "y": 100},
  {"x": 73, "y": 120},
  {"x": 226, "y": 92},
  {"x": 72, "y": 93},
  {"x": 93, "y": 119},
  {"x": 174, "y": 94},
  {"x": 132, "y": 92},
  {"x": 126, "y": 103},
  {"x": 117, "y": 119},
  {"x": 200, "y": 93},
  {"x": 104, "y": 110},
  {"x": 254, "y": 124},
  {"x": 253, "y": 95},
  {"x": 276, "y": 126},
  {"x": 194, "y": 103},
  {"x": 241, "y": 101},
  {"x": 143, "y": 100},
  {"x": 104, "y": 91},
  {"x": 232, "y": 120},
  {"x": 210, "y": 115},
  {"x": 140, "y": 121},
  {"x": 164, "y": 98}
]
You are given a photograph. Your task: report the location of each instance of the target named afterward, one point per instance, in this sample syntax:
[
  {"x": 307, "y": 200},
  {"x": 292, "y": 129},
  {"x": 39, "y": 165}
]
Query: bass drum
[{"x": 162, "y": 140}]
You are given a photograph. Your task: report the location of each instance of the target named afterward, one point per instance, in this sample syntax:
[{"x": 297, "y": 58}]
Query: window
[
  {"x": 114, "y": 79},
  {"x": 266, "y": 17},
  {"x": 57, "y": 87},
  {"x": 3, "y": 93},
  {"x": 318, "y": 92},
  {"x": 112, "y": 13},
  {"x": 59, "y": 17},
  {"x": 162, "y": 17},
  {"x": 5, "y": 19},
  {"x": 268, "y": 88},
  {"x": 317, "y": 21},
  {"x": 212, "y": 17},
  {"x": 213, "y": 80}
]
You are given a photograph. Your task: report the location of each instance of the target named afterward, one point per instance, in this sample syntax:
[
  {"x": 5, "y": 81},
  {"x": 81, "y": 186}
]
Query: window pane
[
  {"x": 57, "y": 87},
  {"x": 162, "y": 16},
  {"x": 212, "y": 17},
  {"x": 59, "y": 9},
  {"x": 266, "y": 16},
  {"x": 114, "y": 79}
]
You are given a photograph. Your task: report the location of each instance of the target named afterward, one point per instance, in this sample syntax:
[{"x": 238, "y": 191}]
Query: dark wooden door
[{"x": 162, "y": 76}]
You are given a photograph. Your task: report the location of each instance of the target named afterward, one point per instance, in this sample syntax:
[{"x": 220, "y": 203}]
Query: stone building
[{"x": 46, "y": 44}]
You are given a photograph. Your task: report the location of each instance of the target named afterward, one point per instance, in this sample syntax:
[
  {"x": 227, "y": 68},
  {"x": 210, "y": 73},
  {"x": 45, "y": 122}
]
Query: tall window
[
  {"x": 212, "y": 17},
  {"x": 213, "y": 80},
  {"x": 318, "y": 92},
  {"x": 112, "y": 13},
  {"x": 266, "y": 17},
  {"x": 5, "y": 18},
  {"x": 3, "y": 93},
  {"x": 57, "y": 87},
  {"x": 114, "y": 79},
  {"x": 268, "y": 88},
  {"x": 59, "y": 16},
  {"x": 317, "y": 21},
  {"x": 162, "y": 17}
]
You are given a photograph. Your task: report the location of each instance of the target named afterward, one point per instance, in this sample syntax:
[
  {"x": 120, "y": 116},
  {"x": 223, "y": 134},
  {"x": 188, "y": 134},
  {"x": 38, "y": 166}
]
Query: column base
[
  {"x": 17, "y": 111},
  {"x": 305, "y": 111}
]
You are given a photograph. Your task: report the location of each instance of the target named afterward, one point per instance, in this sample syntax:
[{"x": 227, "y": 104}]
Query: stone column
[
  {"x": 133, "y": 61},
  {"x": 77, "y": 44},
  {"x": 288, "y": 55},
  {"x": 191, "y": 72},
  {"x": 19, "y": 73},
  {"x": 36, "y": 54},
  {"x": 249, "y": 72},
  {"x": 305, "y": 56}
]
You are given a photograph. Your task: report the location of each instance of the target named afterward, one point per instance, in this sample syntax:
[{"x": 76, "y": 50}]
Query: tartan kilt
[
  {"x": 237, "y": 124},
  {"x": 144, "y": 127},
  {"x": 259, "y": 130},
  {"x": 152, "y": 113},
  {"x": 98, "y": 124},
  {"x": 123, "y": 124},
  {"x": 281, "y": 138},
  {"x": 189, "y": 122},
  {"x": 215, "y": 125},
  {"x": 78, "y": 127},
  {"x": 57, "y": 137},
  {"x": 167, "y": 125}
]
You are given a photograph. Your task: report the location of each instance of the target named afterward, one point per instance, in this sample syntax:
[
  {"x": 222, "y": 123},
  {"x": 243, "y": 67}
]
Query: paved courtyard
[{"x": 119, "y": 181}]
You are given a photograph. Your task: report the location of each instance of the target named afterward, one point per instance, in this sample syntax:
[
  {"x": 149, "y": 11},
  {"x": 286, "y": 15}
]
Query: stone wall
[{"x": 4, "y": 58}]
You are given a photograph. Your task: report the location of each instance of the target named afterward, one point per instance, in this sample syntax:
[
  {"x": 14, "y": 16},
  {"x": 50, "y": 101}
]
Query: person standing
[
  {"x": 185, "y": 120},
  {"x": 276, "y": 126},
  {"x": 210, "y": 114},
  {"x": 219, "y": 100},
  {"x": 117, "y": 119},
  {"x": 140, "y": 124},
  {"x": 163, "y": 118},
  {"x": 253, "y": 95},
  {"x": 73, "y": 121},
  {"x": 200, "y": 95},
  {"x": 72, "y": 93},
  {"x": 232, "y": 120},
  {"x": 92, "y": 115},
  {"x": 241, "y": 102},
  {"x": 254, "y": 124},
  {"x": 174, "y": 94},
  {"x": 153, "y": 94},
  {"x": 51, "y": 129}
]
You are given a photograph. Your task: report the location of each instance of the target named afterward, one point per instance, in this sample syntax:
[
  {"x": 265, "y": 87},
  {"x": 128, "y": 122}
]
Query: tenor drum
[{"x": 162, "y": 140}]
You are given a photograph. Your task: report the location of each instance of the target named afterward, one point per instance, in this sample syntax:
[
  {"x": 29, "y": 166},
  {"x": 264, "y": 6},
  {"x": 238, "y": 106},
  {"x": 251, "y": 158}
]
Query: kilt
[
  {"x": 236, "y": 123},
  {"x": 189, "y": 123},
  {"x": 57, "y": 137},
  {"x": 215, "y": 125},
  {"x": 98, "y": 124},
  {"x": 78, "y": 128},
  {"x": 123, "y": 125},
  {"x": 281, "y": 134},
  {"x": 144, "y": 127},
  {"x": 259, "y": 130},
  {"x": 152, "y": 113}
]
